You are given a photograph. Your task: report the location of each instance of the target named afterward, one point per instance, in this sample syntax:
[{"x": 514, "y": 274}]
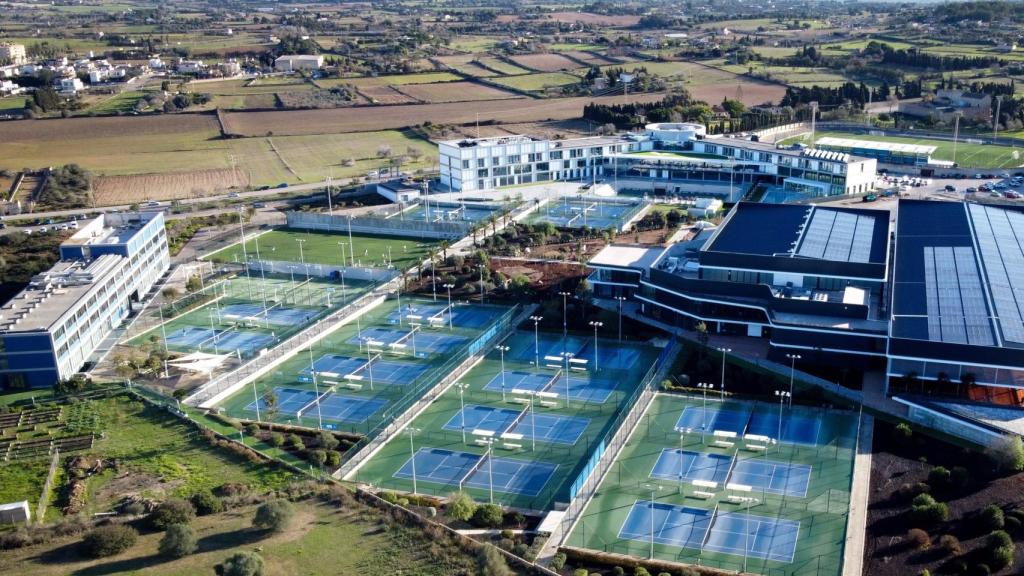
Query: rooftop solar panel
[
  {"x": 996, "y": 231},
  {"x": 838, "y": 236},
  {"x": 956, "y": 307}
]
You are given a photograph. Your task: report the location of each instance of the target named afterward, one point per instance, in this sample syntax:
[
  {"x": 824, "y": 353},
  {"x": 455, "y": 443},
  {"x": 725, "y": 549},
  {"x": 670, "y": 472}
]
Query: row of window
[{"x": 513, "y": 159}]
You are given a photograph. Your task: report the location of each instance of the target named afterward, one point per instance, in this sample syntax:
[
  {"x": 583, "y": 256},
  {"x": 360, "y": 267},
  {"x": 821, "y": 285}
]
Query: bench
[
  {"x": 722, "y": 444},
  {"x": 703, "y": 495},
  {"x": 519, "y": 400},
  {"x": 548, "y": 404},
  {"x": 353, "y": 386},
  {"x": 509, "y": 446},
  {"x": 481, "y": 442},
  {"x": 755, "y": 447}
]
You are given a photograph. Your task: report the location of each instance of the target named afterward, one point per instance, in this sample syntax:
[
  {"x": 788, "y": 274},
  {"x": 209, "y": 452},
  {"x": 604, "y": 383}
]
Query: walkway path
[{"x": 856, "y": 525}]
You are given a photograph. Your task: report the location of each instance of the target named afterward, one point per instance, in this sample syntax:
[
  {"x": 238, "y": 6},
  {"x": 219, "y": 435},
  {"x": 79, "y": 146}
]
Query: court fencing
[
  {"x": 379, "y": 225},
  {"x": 585, "y": 485},
  {"x": 323, "y": 270},
  {"x": 417, "y": 398}
]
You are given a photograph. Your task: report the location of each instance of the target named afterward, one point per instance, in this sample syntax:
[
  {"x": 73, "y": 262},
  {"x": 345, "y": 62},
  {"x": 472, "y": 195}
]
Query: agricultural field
[
  {"x": 385, "y": 95},
  {"x": 12, "y": 103},
  {"x": 128, "y": 189},
  {"x": 392, "y": 80},
  {"x": 501, "y": 66},
  {"x": 967, "y": 155},
  {"x": 121, "y": 103},
  {"x": 537, "y": 82},
  {"x": 545, "y": 62},
  {"x": 466, "y": 65},
  {"x": 454, "y": 92}
]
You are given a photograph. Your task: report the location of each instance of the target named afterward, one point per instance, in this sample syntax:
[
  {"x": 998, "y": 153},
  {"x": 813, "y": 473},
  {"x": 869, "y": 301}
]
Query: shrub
[
  {"x": 276, "y": 439},
  {"x": 274, "y": 515},
  {"x": 991, "y": 518},
  {"x": 981, "y": 570},
  {"x": 333, "y": 458},
  {"x": 460, "y": 506},
  {"x": 919, "y": 538},
  {"x": 1007, "y": 454},
  {"x": 431, "y": 512},
  {"x": 950, "y": 544},
  {"x": 908, "y": 491},
  {"x": 904, "y": 431},
  {"x": 558, "y": 562},
  {"x": 171, "y": 511},
  {"x": 491, "y": 562},
  {"x": 959, "y": 477},
  {"x": 178, "y": 541},
  {"x": 999, "y": 550},
  {"x": 925, "y": 512},
  {"x": 109, "y": 540},
  {"x": 1012, "y": 524},
  {"x": 925, "y": 572},
  {"x": 664, "y": 574},
  {"x": 205, "y": 503},
  {"x": 641, "y": 571},
  {"x": 318, "y": 457},
  {"x": 253, "y": 430},
  {"x": 327, "y": 441},
  {"x": 687, "y": 571},
  {"x": 619, "y": 571},
  {"x": 939, "y": 476},
  {"x": 295, "y": 442},
  {"x": 488, "y": 516},
  {"x": 133, "y": 508},
  {"x": 241, "y": 564},
  {"x": 580, "y": 572}
]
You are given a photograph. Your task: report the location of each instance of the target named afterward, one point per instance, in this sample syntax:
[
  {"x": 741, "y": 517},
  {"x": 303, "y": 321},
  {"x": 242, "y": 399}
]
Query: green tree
[
  {"x": 460, "y": 506},
  {"x": 178, "y": 541},
  {"x": 274, "y": 515},
  {"x": 109, "y": 540},
  {"x": 241, "y": 564},
  {"x": 1007, "y": 454},
  {"x": 491, "y": 562},
  {"x": 488, "y": 516},
  {"x": 206, "y": 503},
  {"x": 194, "y": 283},
  {"x": 171, "y": 511}
]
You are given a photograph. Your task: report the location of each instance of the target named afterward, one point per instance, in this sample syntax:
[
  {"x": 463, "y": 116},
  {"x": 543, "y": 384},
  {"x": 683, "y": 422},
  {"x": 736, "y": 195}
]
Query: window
[
  {"x": 555, "y": 155},
  {"x": 514, "y": 159},
  {"x": 481, "y": 162},
  {"x": 496, "y": 161},
  {"x": 465, "y": 164}
]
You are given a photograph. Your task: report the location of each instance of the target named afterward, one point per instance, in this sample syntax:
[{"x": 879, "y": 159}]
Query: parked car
[
  {"x": 870, "y": 198},
  {"x": 950, "y": 188},
  {"x": 1012, "y": 194},
  {"x": 233, "y": 195},
  {"x": 971, "y": 190}
]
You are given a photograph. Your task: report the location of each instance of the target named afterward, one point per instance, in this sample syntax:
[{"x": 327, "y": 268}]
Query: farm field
[
  {"x": 385, "y": 95},
  {"x": 455, "y": 92},
  {"x": 128, "y": 189},
  {"x": 545, "y": 62},
  {"x": 364, "y": 119},
  {"x": 391, "y": 80},
  {"x": 123, "y": 102},
  {"x": 536, "y": 82},
  {"x": 322, "y": 540},
  {"x": 323, "y": 248},
  {"x": 465, "y": 64},
  {"x": 967, "y": 155},
  {"x": 501, "y": 66}
]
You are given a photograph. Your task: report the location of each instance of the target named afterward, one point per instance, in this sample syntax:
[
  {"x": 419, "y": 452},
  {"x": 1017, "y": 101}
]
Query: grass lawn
[
  {"x": 967, "y": 155},
  {"x": 538, "y": 81},
  {"x": 12, "y": 103},
  {"x": 392, "y": 80},
  {"x": 502, "y": 66},
  {"x": 322, "y": 540},
  {"x": 122, "y": 102},
  {"x": 323, "y": 248}
]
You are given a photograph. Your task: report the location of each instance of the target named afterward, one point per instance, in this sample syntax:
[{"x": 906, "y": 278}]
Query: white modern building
[
  {"x": 670, "y": 156},
  {"x": 15, "y": 53},
  {"x": 51, "y": 329},
  {"x": 291, "y": 63}
]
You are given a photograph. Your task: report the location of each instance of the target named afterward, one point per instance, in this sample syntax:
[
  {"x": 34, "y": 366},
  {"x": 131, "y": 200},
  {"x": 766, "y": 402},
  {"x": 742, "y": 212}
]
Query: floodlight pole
[
  {"x": 412, "y": 456},
  {"x": 433, "y": 277},
  {"x": 163, "y": 332},
  {"x": 620, "y": 299},
  {"x": 781, "y": 395},
  {"x": 302, "y": 259},
  {"x": 481, "y": 266},
  {"x": 263, "y": 283},
  {"x": 533, "y": 423},
  {"x": 653, "y": 488},
  {"x": 567, "y": 356},
  {"x": 245, "y": 254},
  {"x": 792, "y": 371},
  {"x": 450, "y": 311},
  {"x": 490, "y": 469},
  {"x": 502, "y": 350},
  {"x": 398, "y": 291},
  {"x": 256, "y": 401},
  {"x": 704, "y": 387},
  {"x": 956, "y": 133},
  {"x": 369, "y": 365},
  {"x": 596, "y": 325},
  {"x": 351, "y": 246},
  {"x": 536, "y": 340},
  {"x": 316, "y": 390},
  {"x": 724, "y": 351},
  {"x": 565, "y": 319},
  {"x": 462, "y": 409}
]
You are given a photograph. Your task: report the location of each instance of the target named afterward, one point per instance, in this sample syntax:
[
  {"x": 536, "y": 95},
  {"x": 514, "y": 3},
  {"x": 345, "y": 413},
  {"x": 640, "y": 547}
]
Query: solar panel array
[
  {"x": 955, "y": 298},
  {"x": 999, "y": 234},
  {"x": 838, "y": 236}
]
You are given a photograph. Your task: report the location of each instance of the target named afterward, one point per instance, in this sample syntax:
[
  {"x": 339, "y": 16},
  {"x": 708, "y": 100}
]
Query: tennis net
[
  {"x": 315, "y": 401},
  {"x": 517, "y": 420},
  {"x": 472, "y": 470}
]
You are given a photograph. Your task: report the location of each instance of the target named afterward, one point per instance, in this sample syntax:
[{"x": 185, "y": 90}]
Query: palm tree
[{"x": 445, "y": 245}]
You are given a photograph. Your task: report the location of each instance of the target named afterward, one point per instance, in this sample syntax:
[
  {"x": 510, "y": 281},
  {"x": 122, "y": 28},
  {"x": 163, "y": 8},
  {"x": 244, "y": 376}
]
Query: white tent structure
[{"x": 200, "y": 362}]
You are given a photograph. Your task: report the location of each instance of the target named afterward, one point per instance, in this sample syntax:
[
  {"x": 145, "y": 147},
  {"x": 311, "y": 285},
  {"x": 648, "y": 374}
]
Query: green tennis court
[
  {"x": 527, "y": 421},
  {"x": 731, "y": 495},
  {"x": 968, "y": 155}
]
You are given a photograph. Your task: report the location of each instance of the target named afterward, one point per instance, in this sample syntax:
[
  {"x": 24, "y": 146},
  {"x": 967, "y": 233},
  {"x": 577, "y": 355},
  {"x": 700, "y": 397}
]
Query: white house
[
  {"x": 291, "y": 63},
  {"x": 191, "y": 67},
  {"x": 71, "y": 85}
]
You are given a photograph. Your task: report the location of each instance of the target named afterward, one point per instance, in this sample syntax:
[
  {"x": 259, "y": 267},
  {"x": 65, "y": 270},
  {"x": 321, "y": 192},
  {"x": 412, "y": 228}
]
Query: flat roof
[
  {"x": 623, "y": 256},
  {"x": 875, "y": 145}
]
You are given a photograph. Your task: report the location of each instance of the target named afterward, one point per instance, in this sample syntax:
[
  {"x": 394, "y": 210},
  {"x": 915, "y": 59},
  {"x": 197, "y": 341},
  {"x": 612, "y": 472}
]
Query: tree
[
  {"x": 1007, "y": 454},
  {"x": 194, "y": 283},
  {"x": 488, "y": 516},
  {"x": 73, "y": 385},
  {"x": 178, "y": 541},
  {"x": 109, "y": 540},
  {"x": 274, "y": 515},
  {"x": 206, "y": 503},
  {"x": 491, "y": 562},
  {"x": 171, "y": 511},
  {"x": 241, "y": 564},
  {"x": 460, "y": 506}
]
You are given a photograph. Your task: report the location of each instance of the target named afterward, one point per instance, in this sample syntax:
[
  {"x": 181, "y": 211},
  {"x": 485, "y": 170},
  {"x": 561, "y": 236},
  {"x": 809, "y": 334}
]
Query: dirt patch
[
  {"x": 99, "y": 127},
  {"x": 385, "y": 95},
  {"x": 584, "y": 17},
  {"x": 545, "y": 62},
  {"x": 127, "y": 483},
  {"x": 170, "y": 186},
  {"x": 455, "y": 92}
]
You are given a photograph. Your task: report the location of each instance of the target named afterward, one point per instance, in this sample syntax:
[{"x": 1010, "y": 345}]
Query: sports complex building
[
  {"x": 674, "y": 157},
  {"x": 51, "y": 329},
  {"x": 933, "y": 295}
]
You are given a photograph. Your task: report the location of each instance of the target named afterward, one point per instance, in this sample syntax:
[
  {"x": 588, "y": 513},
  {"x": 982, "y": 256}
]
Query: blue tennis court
[
  {"x": 190, "y": 337},
  {"x": 585, "y": 387},
  {"x": 679, "y": 465},
  {"x": 289, "y": 400},
  {"x": 275, "y": 315},
  {"x": 549, "y": 345},
  {"x": 241, "y": 340},
  {"x": 715, "y": 418},
  {"x": 383, "y": 371},
  {"x": 345, "y": 408},
  {"x": 552, "y": 428},
  {"x": 472, "y": 316},
  {"x": 423, "y": 342},
  {"x": 418, "y": 313},
  {"x": 796, "y": 429},
  {"x": 611, "y": 356},
  {"x": 672, "y": 525},
  {"x": 475, "y": 417},
  {"x": 761, "y": 536},
  {"x": 512, "y": 476},
  {"x": 512, "y": 380},
  {"x": 463, "y": 316},
  {"x": 439, "y": 466},
  {"x": 773, "y": 477}
]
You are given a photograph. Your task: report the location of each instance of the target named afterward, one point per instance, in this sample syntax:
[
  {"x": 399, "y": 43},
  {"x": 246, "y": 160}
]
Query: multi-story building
[
  {"x": 14, "y": 53},
  {"x": 294, "y": 62},
  {"x": 51, "y": 329},
  {"x": 672, "y": 157},
  {"x": 885, "y": 152},
  {"x": 937, "y": 300}
]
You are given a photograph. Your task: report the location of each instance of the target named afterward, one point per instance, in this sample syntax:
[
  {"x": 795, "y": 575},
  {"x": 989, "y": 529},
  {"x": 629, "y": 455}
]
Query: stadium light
[
  {"x": 792, "y": 369},
  {"x": 490, "y": 467},
  {"x": 621, "y": 299},
  {"x": 502, "y": 350},
  {"x": 654, "y": 488},
  {"x": 781, "y": 395},
  {"x": 450, "y": 311},
  {"x": 596, "y": 325},
  {"x": 704, "y": 386},
  {"x": 724, "y": 351},
  {"x": 565, "y": 319},
  {"x": 536, "y": 340},
  {"x": 316, "y": 389},
  {"x": 412, "y": 455},
  {"x": 462, "y": 408}
]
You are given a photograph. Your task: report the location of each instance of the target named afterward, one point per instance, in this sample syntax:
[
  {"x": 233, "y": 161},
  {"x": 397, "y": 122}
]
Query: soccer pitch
[
  {"x": 967, "y": 155},
  {"x": 365, "y": 373},
  {"x": 539, "y": 450},
  {"x": 712, "y": 487},
  {"x": 330, "y": 248}
]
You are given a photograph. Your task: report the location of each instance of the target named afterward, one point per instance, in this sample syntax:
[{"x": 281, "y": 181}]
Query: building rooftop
[
  {"x": 49, "y": 295},
  {"x": 873, "y": 145},
  {"x": 623, "y": 256}
]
